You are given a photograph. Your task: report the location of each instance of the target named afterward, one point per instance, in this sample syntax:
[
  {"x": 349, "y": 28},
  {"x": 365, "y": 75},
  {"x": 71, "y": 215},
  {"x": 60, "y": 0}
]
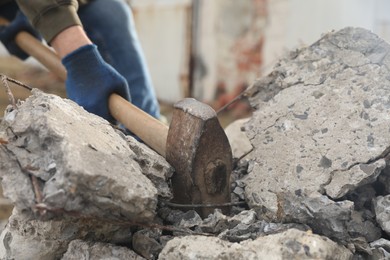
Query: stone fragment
[
  {"x": 383, "y": 243},
  {"x": 79, "y": 249},
  {"x": 81, "y": 164},
  {"x": 246, "y": 217},
  {"x": 380, "y": 249},
  {"x": 342, "y": 181},
  {"x": 242, "y": 232},
  {"x": 336, "y": 220},
  {"x": 291, "y": 244},
  {"x": 238, "y": 186},
  {"x": 319, "y": 129},
  {"x": 238, "y": 140},
  {"x": 190, "y": 219},
  {"x": 215, "y": 223},
  {"x": 145, "y": 244},
  {"x": 24, "y": 237},
  {"x": 153, "y": 166},
  {"x": 382, "y": 208}
]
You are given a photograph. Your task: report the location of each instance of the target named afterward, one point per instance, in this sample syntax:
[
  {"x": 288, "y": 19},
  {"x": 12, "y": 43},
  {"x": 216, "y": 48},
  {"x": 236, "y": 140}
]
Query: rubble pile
[{"x": 313, "y": 182}]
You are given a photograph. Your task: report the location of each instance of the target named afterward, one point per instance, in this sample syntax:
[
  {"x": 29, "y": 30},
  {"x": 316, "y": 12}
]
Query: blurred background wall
[{"x": 203, "y": 48}]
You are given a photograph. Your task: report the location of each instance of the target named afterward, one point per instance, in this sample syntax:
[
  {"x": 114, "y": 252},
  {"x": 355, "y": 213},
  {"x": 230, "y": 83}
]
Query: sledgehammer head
[{"x": 198, "y": 149}]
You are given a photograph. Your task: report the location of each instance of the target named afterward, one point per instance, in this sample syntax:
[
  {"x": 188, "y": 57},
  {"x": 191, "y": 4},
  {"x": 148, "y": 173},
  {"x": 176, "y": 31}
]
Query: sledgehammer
[{"x": 195, "y": 144}]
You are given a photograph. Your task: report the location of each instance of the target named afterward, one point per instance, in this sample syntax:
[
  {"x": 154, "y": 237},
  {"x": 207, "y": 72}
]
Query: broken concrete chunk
[
  {"x": 190, "y": 219},
  {"x": 145, "y": 244},
  {"x": 336, "y": 220},
  {"x": 238, "y": 140},
  {"x": 323, "y": 129},
  {"x": 153, "y": 166},
  {"x": 24, "y": 237},
  {"x": 383, "y": 243},
  {"x": 291, "y": 244},
  {"x": 79, "y": 249},
  {"x": 215, "y": 223},
  {"x": 382, "y": 208},
  {"x": 81, "y": 164},
  {"x": 246, "y": 217},
  {"x": 343, "y": 181}
]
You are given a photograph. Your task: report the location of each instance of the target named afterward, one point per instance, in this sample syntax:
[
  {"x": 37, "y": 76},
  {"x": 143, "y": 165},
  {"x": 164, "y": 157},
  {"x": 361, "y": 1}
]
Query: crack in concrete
[{"x": 383, "y": 155}]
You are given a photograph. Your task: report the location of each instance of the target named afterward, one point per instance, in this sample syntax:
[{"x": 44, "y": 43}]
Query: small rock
[
  {"x": 238, "y": 140},
  {"x": 25, "y": 237},
  {"x": 153, "y": 166},
  {"x": 382, "y": 208},
  {"x": 92, "y": 170},
  {"x": 384, "y": 243},
  {"x": 190, "y": 219},
  {"x": 246, "y": 217},
  {"x": 145, "y": 244},
  {"x": 79, "y": 249},
  {"x": 215, "y": 223},
  {"x": 291, "y": 244}
]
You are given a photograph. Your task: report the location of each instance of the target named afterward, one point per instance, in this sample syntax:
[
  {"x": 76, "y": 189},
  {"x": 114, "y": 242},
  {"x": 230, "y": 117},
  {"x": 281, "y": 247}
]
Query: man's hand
[
  {"x": 90, "y": 81},
  {"x": 9, "y": 32}
]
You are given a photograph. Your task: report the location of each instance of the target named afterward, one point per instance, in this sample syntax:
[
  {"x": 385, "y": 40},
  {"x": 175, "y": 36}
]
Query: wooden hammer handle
[{"x": 153, "y": 132}]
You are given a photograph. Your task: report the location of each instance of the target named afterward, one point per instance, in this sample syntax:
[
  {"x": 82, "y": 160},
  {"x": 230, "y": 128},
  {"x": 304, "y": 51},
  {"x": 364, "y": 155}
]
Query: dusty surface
[
  {"x": 90, "y": 171},
  {"x": 316, "y": 184},
  {"x": 322, "y": 131},
  {"x": 292, "y": 244}
]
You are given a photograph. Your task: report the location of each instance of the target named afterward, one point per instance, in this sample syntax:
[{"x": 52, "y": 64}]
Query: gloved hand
[
  {"x": 90, "y": 81},
  {"x": 9, "y": 32}
]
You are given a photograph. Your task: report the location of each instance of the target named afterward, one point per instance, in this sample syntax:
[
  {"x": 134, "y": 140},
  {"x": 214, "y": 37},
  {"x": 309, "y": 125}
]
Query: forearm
[
  {"x": 70, "y": 40},
  {"x": 50, "y": 17}
]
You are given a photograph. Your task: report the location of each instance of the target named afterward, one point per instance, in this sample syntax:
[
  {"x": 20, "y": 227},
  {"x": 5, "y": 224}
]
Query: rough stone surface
[
  {"x": 146, "y": 244},
  {"x": 382, "y": 208},
  {"x": 238, "y": 140},
  {"x": 80, "y": 162},
  {"x": 79, "y": 249},
  {"x": 25, "y": 237},
  {"x": 380, "y": 250},
  {"x": 358, "y": 175},
  {"x": 154, "y": 166},
  {"x": 291, "y": 244},
  {"x": 320, "y": 127}
]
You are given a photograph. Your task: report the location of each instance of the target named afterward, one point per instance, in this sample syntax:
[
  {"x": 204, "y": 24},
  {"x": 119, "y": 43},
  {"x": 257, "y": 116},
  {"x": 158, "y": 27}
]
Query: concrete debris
[
  {"x": 318, "y": 134},
  {"x": 146, "y": 244},
  {"x": 382, "y": 209},
  {"x": 291, "y": 244},
  {"x": 77, "y": 159},
  {"x": 238, "y": 140},
  {"x": 79, "y": 249},
  {"x": 381, "y": 249},
  {"x": 313, "y": 184},
  {"x": 153, "y": 166},
  {"x": 25, "y": 237}
]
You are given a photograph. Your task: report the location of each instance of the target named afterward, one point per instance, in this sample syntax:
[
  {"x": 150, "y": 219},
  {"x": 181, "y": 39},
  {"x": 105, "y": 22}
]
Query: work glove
[
  {"x": 90, "y": 81},
  {"x": 9, "y": 32}
]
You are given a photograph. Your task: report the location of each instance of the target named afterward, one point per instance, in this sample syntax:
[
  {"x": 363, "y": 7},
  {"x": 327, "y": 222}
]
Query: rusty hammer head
[{"x": 198, "y": 149}]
